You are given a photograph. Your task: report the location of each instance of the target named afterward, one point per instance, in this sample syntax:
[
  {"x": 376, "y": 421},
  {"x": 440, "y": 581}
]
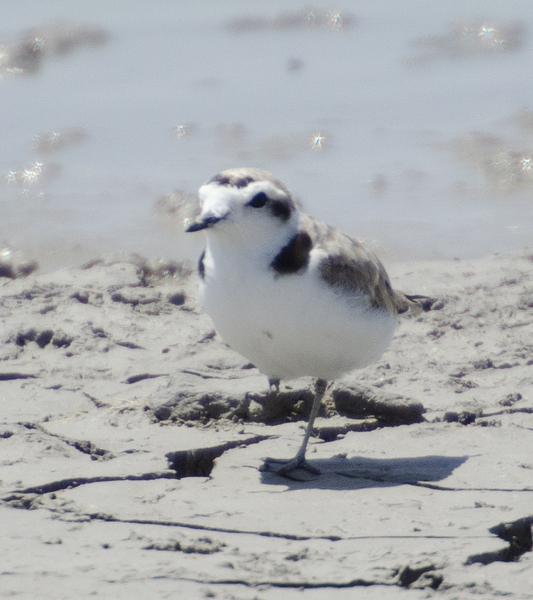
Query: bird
[{"x": 291, "y": 294}]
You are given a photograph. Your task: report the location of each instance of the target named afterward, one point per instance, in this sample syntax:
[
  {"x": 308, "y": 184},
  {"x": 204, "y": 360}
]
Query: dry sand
[{"x": 132, "y": 441}]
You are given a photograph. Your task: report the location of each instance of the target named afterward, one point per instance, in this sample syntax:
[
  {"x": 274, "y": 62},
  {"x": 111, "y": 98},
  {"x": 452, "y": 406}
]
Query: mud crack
[
  {"x": 72, "y": 482},
  {"x": 200, "y": 461},
  {"x": 517, "y": 533},
  {"x": 13, "y": 376},
  {"x": 84, "y": 446}
]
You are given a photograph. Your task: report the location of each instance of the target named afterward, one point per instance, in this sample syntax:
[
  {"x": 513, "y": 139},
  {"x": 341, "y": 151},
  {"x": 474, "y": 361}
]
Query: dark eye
[{"x": 258, "y": 200}]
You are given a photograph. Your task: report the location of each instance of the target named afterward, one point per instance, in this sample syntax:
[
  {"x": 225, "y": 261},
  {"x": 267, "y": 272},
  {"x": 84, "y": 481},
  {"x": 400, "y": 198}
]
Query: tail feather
[{"x": 416, "y": 303}]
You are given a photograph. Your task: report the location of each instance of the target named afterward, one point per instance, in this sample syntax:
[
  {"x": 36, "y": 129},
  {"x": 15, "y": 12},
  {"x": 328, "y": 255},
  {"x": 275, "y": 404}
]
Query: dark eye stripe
[
  {"x": 259, "y": 200},
  {"x": 281, "y": 210}
]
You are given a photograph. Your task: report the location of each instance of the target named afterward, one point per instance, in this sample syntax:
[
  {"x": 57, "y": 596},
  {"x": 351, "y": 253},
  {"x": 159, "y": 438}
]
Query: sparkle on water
[
  {"x": 30, "y": 175},
  {"x": 181, "y": 131},
  {"x": 318, "y": 142}
]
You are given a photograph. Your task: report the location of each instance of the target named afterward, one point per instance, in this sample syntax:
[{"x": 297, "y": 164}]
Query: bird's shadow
[{"x": 355, "y": 473}]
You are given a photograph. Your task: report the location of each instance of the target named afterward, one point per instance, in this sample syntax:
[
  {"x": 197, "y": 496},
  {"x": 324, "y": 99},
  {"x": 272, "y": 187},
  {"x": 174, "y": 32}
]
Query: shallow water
[{"x": 408, "y": 124}]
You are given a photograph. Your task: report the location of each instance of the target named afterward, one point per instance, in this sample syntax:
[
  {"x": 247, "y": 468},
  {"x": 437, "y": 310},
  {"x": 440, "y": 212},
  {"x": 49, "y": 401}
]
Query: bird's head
[{"x": 245, "y": 205}]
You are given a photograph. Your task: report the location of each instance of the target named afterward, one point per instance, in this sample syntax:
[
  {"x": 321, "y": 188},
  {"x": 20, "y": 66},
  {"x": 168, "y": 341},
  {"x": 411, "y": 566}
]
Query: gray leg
[
  {"x": 273, "y": 383},
  {"x": 299, "y": 460}
]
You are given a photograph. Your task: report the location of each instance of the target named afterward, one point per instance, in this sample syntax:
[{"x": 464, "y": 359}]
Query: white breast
[{"x": 291, "y": 326}]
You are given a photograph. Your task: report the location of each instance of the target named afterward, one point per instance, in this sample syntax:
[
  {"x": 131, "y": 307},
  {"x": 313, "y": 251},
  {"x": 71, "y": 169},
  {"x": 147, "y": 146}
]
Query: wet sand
[{"x": 132, "y": 441}]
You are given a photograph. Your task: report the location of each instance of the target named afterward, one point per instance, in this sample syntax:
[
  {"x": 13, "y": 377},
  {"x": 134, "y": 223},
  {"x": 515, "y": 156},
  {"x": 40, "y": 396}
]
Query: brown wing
[{"x": 352, "y": 268}]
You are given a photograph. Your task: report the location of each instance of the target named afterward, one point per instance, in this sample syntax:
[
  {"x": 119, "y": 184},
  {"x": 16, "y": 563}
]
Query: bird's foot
[{"x": 292, "y": 469}]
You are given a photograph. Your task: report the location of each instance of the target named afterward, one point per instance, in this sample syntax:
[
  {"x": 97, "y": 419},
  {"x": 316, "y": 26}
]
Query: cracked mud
[{"x": 132, "y": 442}]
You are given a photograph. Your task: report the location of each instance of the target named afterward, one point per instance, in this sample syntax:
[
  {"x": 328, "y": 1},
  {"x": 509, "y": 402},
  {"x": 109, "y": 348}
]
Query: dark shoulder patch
[
  {"x": 201, "y": 267},
  {"x": 281, "y": 209},
  {"x": 293, "y": 257}
]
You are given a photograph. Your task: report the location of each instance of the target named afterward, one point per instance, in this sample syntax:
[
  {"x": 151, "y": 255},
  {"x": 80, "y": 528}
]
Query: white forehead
[{"x": 215, "y": 191}]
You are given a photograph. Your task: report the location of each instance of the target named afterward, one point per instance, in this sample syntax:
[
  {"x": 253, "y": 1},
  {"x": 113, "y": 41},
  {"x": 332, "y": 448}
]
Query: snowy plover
[{"x": 293, "y": 295}]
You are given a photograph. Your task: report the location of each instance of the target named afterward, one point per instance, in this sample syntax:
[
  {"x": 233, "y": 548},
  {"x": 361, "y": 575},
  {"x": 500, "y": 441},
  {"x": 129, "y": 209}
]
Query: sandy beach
[
  {"x": 132, "y": 439},
  {"x": 132, "y": 443}
]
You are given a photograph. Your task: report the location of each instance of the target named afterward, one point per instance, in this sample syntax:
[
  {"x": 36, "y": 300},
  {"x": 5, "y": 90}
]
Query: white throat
[{"x": 259, "y": 239}]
